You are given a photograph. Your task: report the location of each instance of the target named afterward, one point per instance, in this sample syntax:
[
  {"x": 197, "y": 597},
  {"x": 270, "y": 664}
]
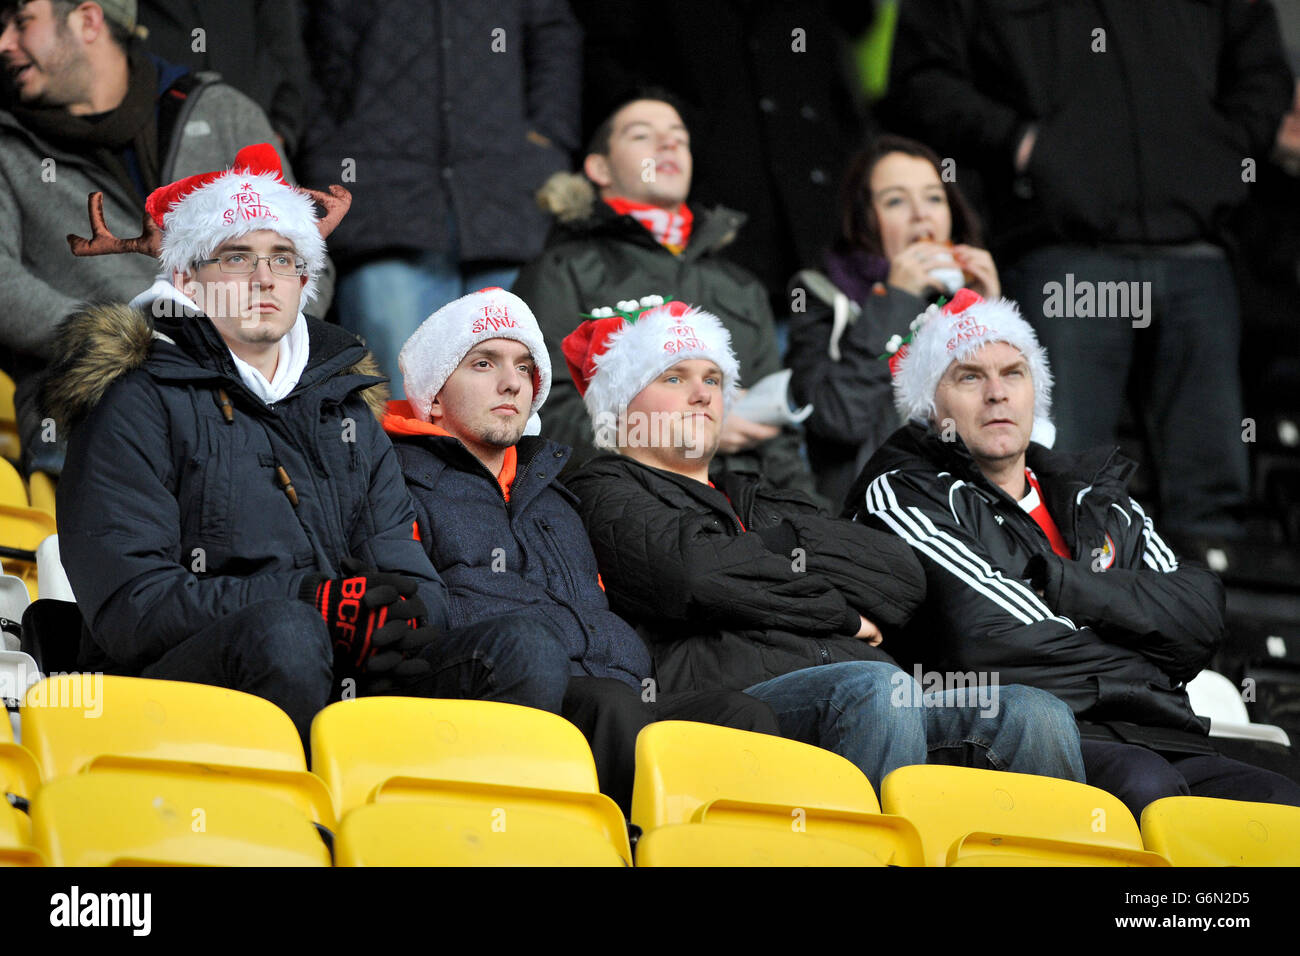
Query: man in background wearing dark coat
[
  {"x": 738, "y": 586},
  {"x": 1040, "y": 566},
  {"x": 503, "y": 533},
  {"x": 1112, "y": 141}
]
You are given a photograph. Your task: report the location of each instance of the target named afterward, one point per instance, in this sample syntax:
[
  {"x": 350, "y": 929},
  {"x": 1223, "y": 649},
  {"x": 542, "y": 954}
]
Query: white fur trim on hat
[
  {"x": 945, "y": 339},
  {"x": 234, "y": 205},
  {"x": 440, "y": 343},
  {"x": 639, "y": 352}
]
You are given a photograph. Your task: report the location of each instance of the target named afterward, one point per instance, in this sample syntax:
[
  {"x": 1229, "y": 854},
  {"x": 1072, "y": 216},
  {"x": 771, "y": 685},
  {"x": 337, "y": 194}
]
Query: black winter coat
[
  {"x": 170, "y": 514},
  {"x": 1118, "y": 628},
  {"x": 1143, "y": 142},
  {"x": 738, "y": 584},
  {"x": 595, "y": 257},
  {"x": 434, "y": 103},
  {"x": 530, "y": 555}
]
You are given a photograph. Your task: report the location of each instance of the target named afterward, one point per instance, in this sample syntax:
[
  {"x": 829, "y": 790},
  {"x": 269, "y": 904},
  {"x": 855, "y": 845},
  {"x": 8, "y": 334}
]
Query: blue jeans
[
  {"x": 281, "y": 650},
  {"x": 386, "y": 300},
  {"x": 875, "y": 715}
]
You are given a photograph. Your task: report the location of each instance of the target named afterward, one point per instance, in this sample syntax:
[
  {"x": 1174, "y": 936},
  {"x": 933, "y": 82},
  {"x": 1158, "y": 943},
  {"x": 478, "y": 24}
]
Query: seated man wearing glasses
[{"x": 231, "y": 512}]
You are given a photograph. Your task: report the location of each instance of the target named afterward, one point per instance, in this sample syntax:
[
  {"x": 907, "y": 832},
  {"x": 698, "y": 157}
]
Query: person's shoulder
[{"x": 97, "y": 349}]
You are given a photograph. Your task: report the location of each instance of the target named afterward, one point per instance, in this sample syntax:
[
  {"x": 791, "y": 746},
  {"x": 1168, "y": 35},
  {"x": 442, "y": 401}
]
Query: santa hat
[
  {"x": 188, "y": 219},
  {"x": 613, "y": 358},
  {"x": 443, "y": 339},
  {"x": 954, "y": 333}
]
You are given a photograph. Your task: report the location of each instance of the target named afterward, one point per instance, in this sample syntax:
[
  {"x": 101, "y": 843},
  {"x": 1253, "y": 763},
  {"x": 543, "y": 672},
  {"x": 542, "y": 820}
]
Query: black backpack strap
[{"x": 172, "y": 103}]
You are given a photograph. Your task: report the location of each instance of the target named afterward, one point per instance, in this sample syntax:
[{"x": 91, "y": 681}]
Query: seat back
[
  {"x": 41, "y": 492},
  {"x": 682, "y": 766},
  {"x": 357, "y": 745},
  {"x": 12, "y": 490},
  {"x": 79, "y": 722},
  {"x": 949, "y": 803},
  {"x": 19, "y": 773},
  {"x": 15, "y": 839},
  {"x": 1213, "y": 695},
  {"x": 1203, "y": 831},
  {"x": 139, "y": 819},
  {"x": 439, "y": 834}
]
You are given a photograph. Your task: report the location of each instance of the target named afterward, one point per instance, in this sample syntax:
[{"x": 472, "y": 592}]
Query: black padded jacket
[{"x": 736, "y": 584}]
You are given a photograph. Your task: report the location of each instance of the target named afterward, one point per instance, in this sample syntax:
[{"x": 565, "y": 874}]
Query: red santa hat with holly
[{"x": 613, "y": 357}]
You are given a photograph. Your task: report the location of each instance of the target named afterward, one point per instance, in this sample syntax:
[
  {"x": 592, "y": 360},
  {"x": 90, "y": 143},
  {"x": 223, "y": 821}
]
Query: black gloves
[{"x": 376, "y": 621}]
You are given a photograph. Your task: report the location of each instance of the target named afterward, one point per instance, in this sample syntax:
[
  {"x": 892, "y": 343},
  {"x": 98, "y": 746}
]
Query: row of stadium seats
[{"x": 118, "y": 771}]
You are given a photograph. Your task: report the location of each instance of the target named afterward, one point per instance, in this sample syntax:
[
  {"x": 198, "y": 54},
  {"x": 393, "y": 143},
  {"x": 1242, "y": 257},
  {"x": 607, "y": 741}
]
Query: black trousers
[
  {"x": 1138, "y": 776},
  {"x": 611, "y": 713}
]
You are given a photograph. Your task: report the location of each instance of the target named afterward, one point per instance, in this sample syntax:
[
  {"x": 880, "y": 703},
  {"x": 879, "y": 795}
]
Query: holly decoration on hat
[
  {"x": 628, "y": 309},
  {"x": 896, "y": 347}
]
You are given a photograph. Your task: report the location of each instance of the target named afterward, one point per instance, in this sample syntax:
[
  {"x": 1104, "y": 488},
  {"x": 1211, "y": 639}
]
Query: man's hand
[
  {"x": 739, "y": 434},
  {"x": 869, "y": 632}
]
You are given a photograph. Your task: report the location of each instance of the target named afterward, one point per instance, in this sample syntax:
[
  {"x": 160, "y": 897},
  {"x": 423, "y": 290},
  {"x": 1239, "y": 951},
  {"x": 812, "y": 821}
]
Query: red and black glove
[{"x": 375, "y": 619}]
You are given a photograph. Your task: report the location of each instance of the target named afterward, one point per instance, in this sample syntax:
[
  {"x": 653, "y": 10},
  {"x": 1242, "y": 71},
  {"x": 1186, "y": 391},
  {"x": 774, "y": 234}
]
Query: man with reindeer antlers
[
  {"x": 88, "y": 108},
  {"x": 230, "y": 511}
]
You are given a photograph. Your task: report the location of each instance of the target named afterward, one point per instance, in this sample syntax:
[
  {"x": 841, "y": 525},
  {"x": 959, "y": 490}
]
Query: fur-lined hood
[
  {"x": 571, "y": 198},
  {"x": 98, "y": 345}
]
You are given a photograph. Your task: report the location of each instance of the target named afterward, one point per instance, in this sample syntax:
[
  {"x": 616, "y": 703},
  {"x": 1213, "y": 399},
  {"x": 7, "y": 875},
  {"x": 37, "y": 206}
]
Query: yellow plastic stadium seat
[
  {"x": 439, "y": 834},
  {"x": 25, "y": 528},
  {"x": 468, "y": 753},
  {"x": 40, "y": 489},
  {"x": 711, "y": 844},
  {"x": 139, "y": 819},
  {"x": 19, "y": 772},
  {"x": 1203, "y": 831},
  {"x": 15, "y": 839},
  {"x": 698, "y": 773},
  {"x": 13, "y": 492},
  {"x": 992, "y": 818},
  {"x": 91, "y": 722}
]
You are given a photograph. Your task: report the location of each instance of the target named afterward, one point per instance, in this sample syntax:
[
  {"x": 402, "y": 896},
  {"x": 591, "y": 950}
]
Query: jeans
[
  {"x": 1180, "y": 369},
  {"x": 875, "y": 715},
  {"x": 611, "y": 713},
  {"x": 281, "y": 650},
  {"x": 386, "y": 300},
  {"x": 1139, "y": 776}
]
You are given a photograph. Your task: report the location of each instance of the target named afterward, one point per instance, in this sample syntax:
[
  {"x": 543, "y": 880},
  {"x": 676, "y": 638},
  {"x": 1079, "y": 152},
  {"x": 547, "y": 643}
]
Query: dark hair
[
  {"x": 600, "y": 136},
  {"x": 858, "y": 226}
]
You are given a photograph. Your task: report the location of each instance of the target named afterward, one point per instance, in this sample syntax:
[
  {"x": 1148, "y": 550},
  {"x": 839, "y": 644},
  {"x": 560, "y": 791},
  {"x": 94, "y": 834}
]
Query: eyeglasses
[{"x": 245, "y": 263}]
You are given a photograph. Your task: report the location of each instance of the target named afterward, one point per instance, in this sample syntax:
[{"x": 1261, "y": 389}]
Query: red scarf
[
  {"x": 672, "y": 230},
  {"x": 1033, "y": 503}
]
